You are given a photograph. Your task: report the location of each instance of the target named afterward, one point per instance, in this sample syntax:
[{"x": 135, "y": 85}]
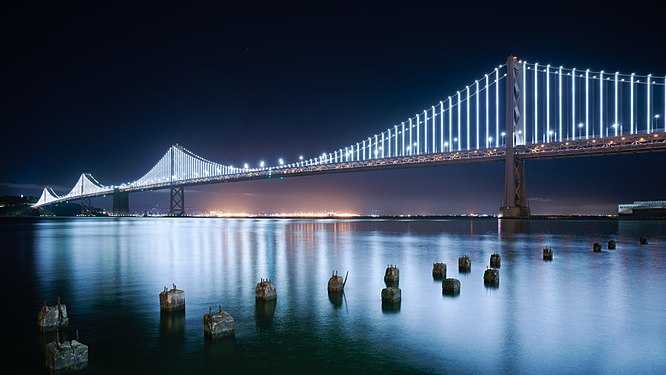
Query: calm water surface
[{"x": 583, "y": 312}]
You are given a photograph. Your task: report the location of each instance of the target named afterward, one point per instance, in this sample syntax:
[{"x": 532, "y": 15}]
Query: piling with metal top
[
  {"x": 172, "y": 299},
  {"x": 451, "y": 286},
  {"x": 491, "y": 277},
  {"x": 219, "y": 324},
  {"x": 611, "y": 245},
  {"x": 392, "y": 275},
  {"x": 52, "y": 318},
  {"x": 643, "y": 241},
  {"x": 66, "y": 356},
  {"x": 265, "y": 291},
  {"x": 495, "y": 260},
  {"x": 439, "y": 270},
  {"x": 596, "y": 247},
  {"x": 464, "y": 264},
  {"x": 336, "y": 283},
  {"x": 547, "y": 253}
]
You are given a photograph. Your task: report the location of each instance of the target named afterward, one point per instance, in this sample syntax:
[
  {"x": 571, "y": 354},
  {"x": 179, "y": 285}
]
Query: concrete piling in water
[
  {"x": 643, "y": 241},
  {"x": 611, "y": 245},
  {"x": 392, "y": 276},
  {"x": 265, "y": 291},
  {"x": 495, "y": 260},
  {"x": 596, "y": 247},
  {"x": 391, "y": 294},
  {"x": 439, "y": 270},
  {"x": 451, "y": 287},
  {"x": 52, "y": 318},
  {"x": 172, "y": 299},
  {"x": 66, "y": 356},
  {"x": 491, "y": 277},
  {"x": 547, "y": 253},
  {"x": 218, "y": 324},
  {"x": 336, "y": 283},
  {"x": 464, "y": 264}
]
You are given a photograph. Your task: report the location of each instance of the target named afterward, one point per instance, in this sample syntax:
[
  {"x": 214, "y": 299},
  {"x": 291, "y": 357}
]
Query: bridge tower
[
  {"x": 176, "y": 194},
  {"x": 120, "y": 203},
  {"x": 515, "y": 199}
]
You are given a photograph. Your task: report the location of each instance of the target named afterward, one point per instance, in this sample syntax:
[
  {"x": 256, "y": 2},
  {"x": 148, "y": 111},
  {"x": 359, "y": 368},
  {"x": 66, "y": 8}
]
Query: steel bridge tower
[
  {"x": 515, "y": 199},
  {"x": 176, "y": 194}
]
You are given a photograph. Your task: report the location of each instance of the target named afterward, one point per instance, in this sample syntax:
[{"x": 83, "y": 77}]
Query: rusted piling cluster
[
  {"x": 439, "y": 270},
  {"x": 547, "y": 253},
  {"x": 52, "y": 318},
  {"x": 495, "y": 260},
  {"x": 611, "y": 245},
  {"x": 464, "y": 264},
  {"x": 218, "y": 324},
  {"x": 172, "y": 299},
  {"x": 67, "y": 355},
  {"x": 596, "y": 247},
  {"x": 265, "y": 291}
]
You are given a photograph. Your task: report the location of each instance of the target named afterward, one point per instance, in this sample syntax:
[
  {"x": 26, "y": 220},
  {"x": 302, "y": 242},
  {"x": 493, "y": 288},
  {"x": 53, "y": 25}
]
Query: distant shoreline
[{"x": 376, "y": 217}]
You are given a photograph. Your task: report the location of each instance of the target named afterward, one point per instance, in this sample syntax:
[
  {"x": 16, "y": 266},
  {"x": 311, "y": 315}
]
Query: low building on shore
[{"x": 643, "y": 209}]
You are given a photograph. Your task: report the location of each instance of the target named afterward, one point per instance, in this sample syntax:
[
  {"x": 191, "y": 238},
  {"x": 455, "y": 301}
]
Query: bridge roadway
[{"x": 636, "y": 143}]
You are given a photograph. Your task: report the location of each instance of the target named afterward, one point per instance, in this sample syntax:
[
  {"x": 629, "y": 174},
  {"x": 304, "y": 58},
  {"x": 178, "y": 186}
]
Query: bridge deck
[{"x": 599, "y": 146}]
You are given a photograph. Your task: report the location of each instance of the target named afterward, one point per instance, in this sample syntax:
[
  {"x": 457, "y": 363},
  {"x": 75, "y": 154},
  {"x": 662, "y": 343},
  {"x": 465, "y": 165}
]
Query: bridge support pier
[
  {"x": 86, "y": 207},
  {"x": 120, "y": 203},
  {"x": 177, "y": 201},
  {"x": 515, "y": 199}
]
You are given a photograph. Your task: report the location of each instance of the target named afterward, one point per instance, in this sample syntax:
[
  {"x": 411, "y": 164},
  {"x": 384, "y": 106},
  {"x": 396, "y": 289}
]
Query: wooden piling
[
  {"x": 451, "y": 286},
  {"x": 439, "y": 270},
  {"x": 491, "y": 277},
  {"x": 392, "y": 275},
  {"x": 464, "y": 264},
  {"x": 219, "y": 324},
  {"x": 265, "y": 291},
  {"x": 495, "y": 260},
  {"x": 172, "y": 299}
]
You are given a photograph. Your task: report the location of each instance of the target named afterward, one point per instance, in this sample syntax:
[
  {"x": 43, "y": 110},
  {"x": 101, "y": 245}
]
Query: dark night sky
[{"x": 106, "y": 88}]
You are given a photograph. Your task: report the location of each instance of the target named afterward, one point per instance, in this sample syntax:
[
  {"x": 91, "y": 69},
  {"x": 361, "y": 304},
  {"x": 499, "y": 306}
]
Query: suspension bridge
[{"x": 518, "y": 111}]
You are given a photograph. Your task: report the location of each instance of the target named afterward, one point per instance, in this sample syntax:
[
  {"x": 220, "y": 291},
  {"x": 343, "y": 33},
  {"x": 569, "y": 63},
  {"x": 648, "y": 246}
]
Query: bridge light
[
  {"x": 300, "y": 157},
  {"x": 261, "y": 164},
  {"x": 245, "y": 166},
  {"x": 281, "y": 161}
]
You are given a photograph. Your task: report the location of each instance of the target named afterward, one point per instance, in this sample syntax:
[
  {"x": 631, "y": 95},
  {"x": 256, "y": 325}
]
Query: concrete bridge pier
[{"x": 120, "y": 203}]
